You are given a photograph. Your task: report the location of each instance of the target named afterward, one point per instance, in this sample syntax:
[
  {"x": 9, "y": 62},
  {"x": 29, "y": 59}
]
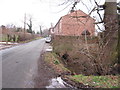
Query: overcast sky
[{"x": 43, "y": 12}]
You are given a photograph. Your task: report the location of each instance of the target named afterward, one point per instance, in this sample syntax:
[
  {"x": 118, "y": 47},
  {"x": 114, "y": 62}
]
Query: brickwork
[{"x": 74, "y": 24}]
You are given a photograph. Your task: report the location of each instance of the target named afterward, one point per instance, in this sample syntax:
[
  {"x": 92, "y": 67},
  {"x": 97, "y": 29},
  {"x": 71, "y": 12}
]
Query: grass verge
[
  {"x": 52, "y": 60},
  {"x": 26, "y": 41},
  {"x": 108, "y": 81}
]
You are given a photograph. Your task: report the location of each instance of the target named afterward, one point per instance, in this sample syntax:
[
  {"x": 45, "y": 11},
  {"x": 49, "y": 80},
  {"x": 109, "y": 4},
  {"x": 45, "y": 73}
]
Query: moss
[{"x": 114, "y": 57}]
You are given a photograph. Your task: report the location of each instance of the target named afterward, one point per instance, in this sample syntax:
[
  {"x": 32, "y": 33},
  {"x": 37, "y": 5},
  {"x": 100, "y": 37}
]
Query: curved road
[{"x": 19, "y": 64}]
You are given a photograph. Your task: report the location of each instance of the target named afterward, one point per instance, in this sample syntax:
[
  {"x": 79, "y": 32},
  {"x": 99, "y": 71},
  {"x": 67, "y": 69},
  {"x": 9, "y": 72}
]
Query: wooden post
[{"x": 24, "y": 25}]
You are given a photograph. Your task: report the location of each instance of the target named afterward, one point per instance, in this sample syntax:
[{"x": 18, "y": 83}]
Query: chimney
[
  {"x": 75, "y": 3},
  {"x": 72, "y": 11}
]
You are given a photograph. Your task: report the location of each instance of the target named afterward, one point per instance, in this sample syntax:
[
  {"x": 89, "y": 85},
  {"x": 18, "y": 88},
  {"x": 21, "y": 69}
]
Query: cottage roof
[
  {"x": 57, "y": 22},
  {"x": 79, "y": 14}
]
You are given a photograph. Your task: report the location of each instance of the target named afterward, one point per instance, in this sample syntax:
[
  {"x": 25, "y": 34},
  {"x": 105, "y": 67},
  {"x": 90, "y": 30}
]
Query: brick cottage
[{"x": 75, "y": 23}]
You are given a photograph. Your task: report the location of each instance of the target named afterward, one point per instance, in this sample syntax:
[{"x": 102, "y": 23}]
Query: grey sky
[{"x": 44, "y": 12}]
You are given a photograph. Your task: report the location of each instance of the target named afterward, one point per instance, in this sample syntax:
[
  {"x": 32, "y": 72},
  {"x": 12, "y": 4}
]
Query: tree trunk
[
  {"x": 110, "y": 20},
  {"x": 110, "y": 35},
  {"x": 119, "y": 39}
]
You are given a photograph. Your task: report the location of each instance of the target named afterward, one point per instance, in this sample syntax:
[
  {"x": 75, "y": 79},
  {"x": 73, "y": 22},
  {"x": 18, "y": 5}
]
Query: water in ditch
[{"x": 58, "y": 83}]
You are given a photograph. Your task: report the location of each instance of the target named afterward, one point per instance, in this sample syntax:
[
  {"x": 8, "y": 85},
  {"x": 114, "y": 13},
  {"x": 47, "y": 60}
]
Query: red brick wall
[{"x": 70, "y": 25}]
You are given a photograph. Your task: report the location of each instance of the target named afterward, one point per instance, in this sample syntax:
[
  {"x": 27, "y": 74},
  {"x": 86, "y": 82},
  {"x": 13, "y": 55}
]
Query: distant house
[{"x": 75, "y": 23}]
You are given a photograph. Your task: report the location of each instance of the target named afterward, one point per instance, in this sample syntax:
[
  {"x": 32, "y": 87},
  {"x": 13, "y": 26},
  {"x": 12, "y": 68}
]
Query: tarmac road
[{"x": 19, "y": 64}]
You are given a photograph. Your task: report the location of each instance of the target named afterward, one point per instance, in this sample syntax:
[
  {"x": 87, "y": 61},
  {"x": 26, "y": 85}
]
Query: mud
[
  {"x": 44, "y": 74},
  {"x": 75, "y": 85},
  {"x": 47, "y": 78}
]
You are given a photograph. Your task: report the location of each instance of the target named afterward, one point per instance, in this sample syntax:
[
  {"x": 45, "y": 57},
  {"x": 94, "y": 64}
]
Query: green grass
[
  {"x": 56, "y": 61},
  {"x": 107, "y": 81},
  {"x": 5, "y": 38},
  {"x": 53, "y": 61}
]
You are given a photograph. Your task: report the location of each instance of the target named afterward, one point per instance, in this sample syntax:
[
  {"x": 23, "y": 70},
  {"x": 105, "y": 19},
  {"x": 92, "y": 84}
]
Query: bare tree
[
  {"x": 104, "y": 57},
  {"x": 30, "y": 25},
  {"x": 110, "y": 18}
]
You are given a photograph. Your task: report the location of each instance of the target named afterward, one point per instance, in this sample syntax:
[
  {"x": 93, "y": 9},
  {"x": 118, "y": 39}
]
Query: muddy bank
[
  {"x": 44, "y": 74},
  {"x": 48, "y": 77},
  {"x": 56, "y": 72},
  {"x": 75, "y": 85}
]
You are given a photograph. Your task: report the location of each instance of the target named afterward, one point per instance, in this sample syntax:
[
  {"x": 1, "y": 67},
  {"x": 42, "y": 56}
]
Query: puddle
[
  {"x": 58, "y": 83},
  {"x": 49, "y": 49}
]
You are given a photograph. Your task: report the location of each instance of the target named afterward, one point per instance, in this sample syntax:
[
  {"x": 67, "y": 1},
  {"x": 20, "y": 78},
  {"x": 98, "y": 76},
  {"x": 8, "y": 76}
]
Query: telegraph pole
[{"x": 24, "y": 25}]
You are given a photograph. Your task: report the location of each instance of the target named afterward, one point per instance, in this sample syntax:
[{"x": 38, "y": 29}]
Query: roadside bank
[
  {"x": 46, "y": 76},
  {"x": 52, "y": 60},
  {"x": 79, "y": 80}
]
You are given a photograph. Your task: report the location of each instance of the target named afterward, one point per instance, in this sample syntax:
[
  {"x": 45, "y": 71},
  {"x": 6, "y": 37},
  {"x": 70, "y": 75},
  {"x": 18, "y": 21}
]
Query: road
[{"x": 19, "y": 64}]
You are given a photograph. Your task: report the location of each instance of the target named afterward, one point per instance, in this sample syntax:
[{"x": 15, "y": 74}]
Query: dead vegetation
[
  {"x": 82, "y": 58},
  {"x": 79, "y": 80},
  {"x": 12, "y": 35},
  {"x": 52, "y": 60},
  {"x": 108, "y": 81}
]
